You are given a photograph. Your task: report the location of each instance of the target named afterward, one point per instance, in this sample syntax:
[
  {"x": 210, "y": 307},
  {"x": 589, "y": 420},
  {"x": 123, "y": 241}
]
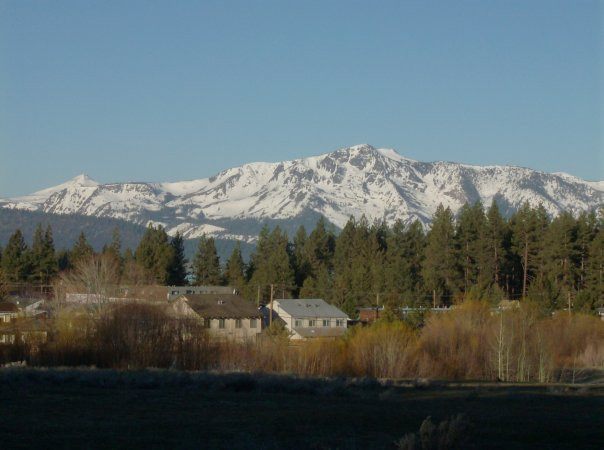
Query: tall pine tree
[
  {"x": 81, "y": 250},
  {"x": 43, "y": 259},
  {"x": 16, "y": 262},
  {"x": 177, "y": 271},
  {"x": 440, "y": 270},
  {"x": 235, "y": 269},
  {"x": 206, "y": 264},
  {"x": 155, "y": 254}
]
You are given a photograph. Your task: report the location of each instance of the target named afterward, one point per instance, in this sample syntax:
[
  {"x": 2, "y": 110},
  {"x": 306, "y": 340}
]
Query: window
[
  {"x": 206, "y": 323},
  {"x": 312, "y": 323},
  {"x": 253, "y": 323},
  {"x": 220, "y": 323},
  {"x": 237, "y": 323},
  {"x": 298, "y": 323},
  {"x": 339, "y": 322},
  {"x": 326, "y": 322}
]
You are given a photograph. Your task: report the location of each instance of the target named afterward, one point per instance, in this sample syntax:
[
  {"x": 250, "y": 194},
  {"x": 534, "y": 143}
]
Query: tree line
[{"x": 554, "y": 262}]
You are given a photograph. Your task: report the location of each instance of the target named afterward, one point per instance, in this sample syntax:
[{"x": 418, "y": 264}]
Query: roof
[
  {"x": 221, "y": 306},
  {"x": 8, "y": 307},
  {"x": 320, "y": 331},
  {"x": 310, "y": 307}
]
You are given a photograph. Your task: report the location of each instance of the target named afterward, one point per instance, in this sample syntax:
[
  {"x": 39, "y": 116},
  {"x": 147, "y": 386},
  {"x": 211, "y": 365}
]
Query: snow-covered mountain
[{"x": 352, "y": 181}]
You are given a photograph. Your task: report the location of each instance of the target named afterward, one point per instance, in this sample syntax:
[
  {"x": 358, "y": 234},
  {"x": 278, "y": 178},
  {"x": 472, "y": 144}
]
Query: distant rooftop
[{"x": 310, "y": 307}]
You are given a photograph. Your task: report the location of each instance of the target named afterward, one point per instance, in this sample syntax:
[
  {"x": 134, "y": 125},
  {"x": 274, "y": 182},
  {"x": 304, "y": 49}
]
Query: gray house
[{"x": 309, "y": 318}]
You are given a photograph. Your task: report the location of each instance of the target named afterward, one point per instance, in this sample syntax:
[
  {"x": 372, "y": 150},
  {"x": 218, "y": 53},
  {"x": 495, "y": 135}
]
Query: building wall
[
  {"x": 6, "y": 317},
  {"x": 290, "y": 322},
  {"x": 230, "y": 330}
]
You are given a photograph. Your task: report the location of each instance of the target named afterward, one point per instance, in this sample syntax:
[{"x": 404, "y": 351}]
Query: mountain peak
[
  {"x": 83, "y": 180},
  {"x": 361, "y": 148}
]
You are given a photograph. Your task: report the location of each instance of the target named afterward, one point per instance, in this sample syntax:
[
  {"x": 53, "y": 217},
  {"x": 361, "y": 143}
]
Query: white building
[{"x": 308, "y": 318}]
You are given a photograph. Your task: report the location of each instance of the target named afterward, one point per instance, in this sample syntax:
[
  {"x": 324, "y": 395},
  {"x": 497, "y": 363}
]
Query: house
[
  {"x": 309, "y": 318},
  {"x": 175, "y": 291},
  {"x": 31, "y": 330},
  {"x": 29, "y": 307},
  {"x": 226, "y": 316},
  {"x": 8, "y": 312},
  {"x": 370, "y": 314}
]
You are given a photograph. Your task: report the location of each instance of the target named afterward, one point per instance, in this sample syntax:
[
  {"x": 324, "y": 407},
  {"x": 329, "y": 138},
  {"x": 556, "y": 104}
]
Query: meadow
[{"x": 92, "y": 408}]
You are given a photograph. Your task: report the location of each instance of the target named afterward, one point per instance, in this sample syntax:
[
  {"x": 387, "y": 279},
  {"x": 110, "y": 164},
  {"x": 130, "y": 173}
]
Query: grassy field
[{"x": 85, "y": 408}]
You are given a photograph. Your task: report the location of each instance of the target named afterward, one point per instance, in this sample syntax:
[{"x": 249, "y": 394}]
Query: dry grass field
[{"x": 87, "y": 408}]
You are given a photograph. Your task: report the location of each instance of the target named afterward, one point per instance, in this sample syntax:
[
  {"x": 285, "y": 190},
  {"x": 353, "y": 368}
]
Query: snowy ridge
[{"x": 351, "y": 181}]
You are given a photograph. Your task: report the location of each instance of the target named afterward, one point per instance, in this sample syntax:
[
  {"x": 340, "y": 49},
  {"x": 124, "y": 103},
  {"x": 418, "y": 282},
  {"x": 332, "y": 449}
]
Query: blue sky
[{"x": 165, "y": 91}]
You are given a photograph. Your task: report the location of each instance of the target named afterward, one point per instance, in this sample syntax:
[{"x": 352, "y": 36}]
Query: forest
[{"x": 555, "y": 263}]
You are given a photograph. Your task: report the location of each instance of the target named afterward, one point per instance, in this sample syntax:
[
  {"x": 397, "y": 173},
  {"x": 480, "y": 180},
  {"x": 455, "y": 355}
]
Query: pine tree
[
  {"x": 587, "y": 228},
  {"x": 595, "y": 273},
  {"x": 16, "y": 264},
  {"x": 44, "y": 262},
  {"x": 524, "y": 225},
  {"x": 560, "y": 253},
  {"x": 301, "y": 263},
  {"x": 206, "y": 265},
  {"x": 81, "y": 250},
  {"x": 235, "y": 269},
  {"x": 155, "y": 254},
  {"x": 440, "y": 269},
  {"x": 318, "y": 252},
  {"x": 114, "y": 250},
  {"x": 403, "y": 262},
  {"x": 177, "y": 272},
  {"x": 272, "y": 264},
  {"x": 471, "y": 226},
  {"x": 358, "y": 257},
  {"x": 492, "y": 256}
]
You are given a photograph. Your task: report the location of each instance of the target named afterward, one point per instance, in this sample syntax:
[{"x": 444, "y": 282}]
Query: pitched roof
[
  {"x": 221, "y": 306},
  {"x": 310, "y": 307}
]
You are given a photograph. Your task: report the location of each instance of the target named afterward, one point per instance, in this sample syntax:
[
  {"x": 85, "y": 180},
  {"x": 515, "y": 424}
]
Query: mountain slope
[{"x": 352, "y": 181}]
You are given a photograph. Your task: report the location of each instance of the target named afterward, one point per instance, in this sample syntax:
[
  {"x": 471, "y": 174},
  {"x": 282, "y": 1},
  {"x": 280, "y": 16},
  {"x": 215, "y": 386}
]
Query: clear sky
[{"x": 174, "y": 90}]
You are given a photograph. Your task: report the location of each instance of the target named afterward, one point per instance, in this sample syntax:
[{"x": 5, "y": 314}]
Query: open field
[{"x": 83, "y": 408}]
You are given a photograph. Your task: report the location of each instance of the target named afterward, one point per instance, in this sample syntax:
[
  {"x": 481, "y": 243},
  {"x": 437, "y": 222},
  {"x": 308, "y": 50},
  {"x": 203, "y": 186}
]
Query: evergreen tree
[
  {"x": 44, "y": 262},
  {"x": 524, "y": 225},
  {"x": 300, "y": 263},
  {"x": 272, "y": 264},
  {"x": 206, "y": 265},
  {"x": 114, "y": 250},
  {"x": 64, "y": 260},
  {"x": 358, "y": 257},
  {"x": 318, "y": 252},
  {"x": 471, "y": 226},
  {"x": 403, "y": 262},
  {"x": 16, "y": 264},
  {"x": 492, "y": 257},
  {"x": 560, "y": 254},
  {"x": 440, "y": 270},
  {"x": 81, "y": 250},
  {"x": 595, "y": 273},
  {"x": 587, "y": 229},
  {"x": 234, "y": 271},
  {"x": 177, "y": 272},
  {"x": 155, "y": 254}
]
